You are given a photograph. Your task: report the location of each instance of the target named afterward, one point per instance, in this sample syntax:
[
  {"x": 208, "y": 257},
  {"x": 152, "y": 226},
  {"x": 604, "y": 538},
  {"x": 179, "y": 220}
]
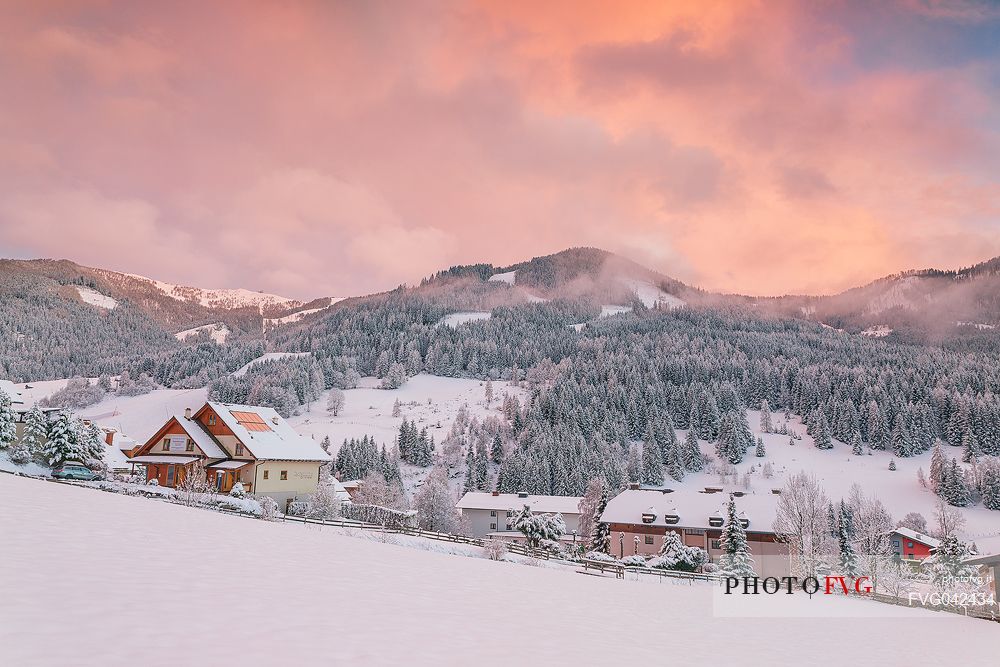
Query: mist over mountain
[{"x": 58, "y": 318}]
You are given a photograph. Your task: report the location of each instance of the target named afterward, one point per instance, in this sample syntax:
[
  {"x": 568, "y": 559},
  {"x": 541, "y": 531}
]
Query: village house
[
  {"x": 908, "y": 544},
  {"x": 492, "y": 514},
  {"x": 640, "y": 518},
  {"x": 248, "y": 444},
  {"x": 20, "y": 407}
]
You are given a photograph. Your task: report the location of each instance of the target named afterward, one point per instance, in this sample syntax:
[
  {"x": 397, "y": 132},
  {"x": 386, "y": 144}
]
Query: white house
[{"x": 491, "y": 514}]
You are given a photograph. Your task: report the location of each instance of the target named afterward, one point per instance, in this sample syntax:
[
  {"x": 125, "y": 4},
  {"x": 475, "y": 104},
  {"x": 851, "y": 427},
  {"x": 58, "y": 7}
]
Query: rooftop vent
[
  {"x": 776, "y": 492},
  {"x": 274, "y": 420},
  {"x": 496, "y": 493},
  {"x": 187, "y": 413},
  {"x": 522, "y": 494},
  {"x": 739, "y": 494},
  {"x": 713, "y": 489},
  {"x": 633, "y": 486}
]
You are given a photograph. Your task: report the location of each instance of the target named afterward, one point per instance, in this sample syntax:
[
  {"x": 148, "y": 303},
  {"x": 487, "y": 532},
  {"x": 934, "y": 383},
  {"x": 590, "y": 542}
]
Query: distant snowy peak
[{"x": 227, "y": 299}]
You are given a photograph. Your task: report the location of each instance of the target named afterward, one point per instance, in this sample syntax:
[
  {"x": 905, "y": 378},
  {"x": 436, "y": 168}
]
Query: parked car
[{"x": 75, "y": 470}]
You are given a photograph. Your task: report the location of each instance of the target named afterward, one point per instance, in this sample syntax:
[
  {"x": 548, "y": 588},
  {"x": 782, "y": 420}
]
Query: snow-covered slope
[
  {"x": 395, "y": 605},
  {"x": 95, "y": 298},
  {"x": 266, "y": 357},
  {"x": 651, "y": 295},
  {"x": 220, "y": 298},
  {"x": 455, "y": 319},
  {"x": 508, "y": 277},
  {"x": 218, "y": 332}
]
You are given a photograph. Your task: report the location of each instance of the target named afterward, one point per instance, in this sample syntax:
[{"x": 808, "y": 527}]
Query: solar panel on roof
[{"x": 251, "y": 421}]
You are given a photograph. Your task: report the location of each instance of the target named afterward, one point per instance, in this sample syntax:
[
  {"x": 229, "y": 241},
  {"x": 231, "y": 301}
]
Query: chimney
[
  {"x": 633, "y": 486},
  {"x": 109, "y": 436},
  {"x": 187, "y": 413},
  {"x": 496, "y": 493},
  {"x": 274, "y": 420}
]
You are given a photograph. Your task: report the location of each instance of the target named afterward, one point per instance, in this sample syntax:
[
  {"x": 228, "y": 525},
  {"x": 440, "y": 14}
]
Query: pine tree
[
  {"x": 760, "y": 452},
  {"x": 953, "y": 487},
  {"x": 496, "y": 451},
  {"x": 471, "y": 476},
  {"x": 765, "y": 418},
  {"x": 845, "y": 537},
  {"x": 937, "y": 469},
  {"x": 600, "y": 539},
  {"x": 8, "y": 421},
  {"x": 693, "y": 459},
  {"x": 822, "y": 432},
  {"x": 652, "y": 467},
  {"x": 736, "y": 559},
  {"x": 634, "y": 468},
  {"x": 36, "y": 430},
  {"x": 855, "y": 442},
  {"x": 892, "y": 464},
  {"x": 61, "y": 445},
  {"x": 990, "y": 487},
  {"x": 675, "y": 462}
]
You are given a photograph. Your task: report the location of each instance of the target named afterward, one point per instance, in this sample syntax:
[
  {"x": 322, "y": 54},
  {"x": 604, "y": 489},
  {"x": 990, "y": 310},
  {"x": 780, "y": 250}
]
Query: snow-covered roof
[
  {"x": 231, "y": 464},
  {"x": 479, "y": 500},
  {"x": 206, "y": 443},
  {"x": 911, "y": 534},
  {"x": 8, "y": 387},
  {"x": 165, "y": 458},
  {"x": 692, "y": 508},
  {"x": 274, "y": 440}
]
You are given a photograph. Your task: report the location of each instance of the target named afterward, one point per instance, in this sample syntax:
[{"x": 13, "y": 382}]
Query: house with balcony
[
  {"x": 640, "y": 518},
  {"x": 248, "y": 444}
]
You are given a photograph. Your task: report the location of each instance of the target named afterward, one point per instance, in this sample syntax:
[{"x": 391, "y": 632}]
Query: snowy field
[
  {"x": 218, "y": 332},
  {"x": 430, "y": 400},
  {"x": 95, "y": 298},
  {"x": 270, "y": 356},
  {"x": 456, "y": 319},
  {"x": 81, "y": 566}
]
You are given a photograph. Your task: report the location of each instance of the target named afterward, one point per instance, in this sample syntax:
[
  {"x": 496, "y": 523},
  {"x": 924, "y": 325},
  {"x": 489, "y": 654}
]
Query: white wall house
[{"x": 492, "y": 513}]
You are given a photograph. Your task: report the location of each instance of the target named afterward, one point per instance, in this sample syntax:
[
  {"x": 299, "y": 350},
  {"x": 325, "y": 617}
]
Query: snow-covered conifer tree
[
  {"x": 736, "y": 559},
  {"x": 600, "y": 537},
  {"x": 61, "y": 445},
  {"x": 8, "y": 422},
  {"x": 760, "y": 451}
]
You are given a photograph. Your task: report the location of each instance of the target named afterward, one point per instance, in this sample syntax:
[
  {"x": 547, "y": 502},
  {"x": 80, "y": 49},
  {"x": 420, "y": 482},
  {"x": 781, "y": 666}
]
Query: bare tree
[
  {"x": 802, "y": 523},
  {"x": 872, "y": 524},
  {"x": 914, "y": 521},
  {"x": 194, "y": 484},
  {"x": 435, "y": 504},
  {"x": 374, "y": 490},
  {"x": 335, "y": 402},
  {"x": 588, "y": 505},
  {"x": 949, "y": 520}
]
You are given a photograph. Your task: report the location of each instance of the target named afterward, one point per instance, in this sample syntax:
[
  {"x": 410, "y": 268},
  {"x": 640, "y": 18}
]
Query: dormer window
[
  {"x": 671, "y": 518},
  {"x": 715, "y": 521},
  {"x": 189, "y": 447},
  {"x": 745, "y": 523},
  {"x": 211, "y": 420},
  {"x": 166, "y": 444},
  {"x": 239, "y": 449},
  {"x": 648, "y": 517}
]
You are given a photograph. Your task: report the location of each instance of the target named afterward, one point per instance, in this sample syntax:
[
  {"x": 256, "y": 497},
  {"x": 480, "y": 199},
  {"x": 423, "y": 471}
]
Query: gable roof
[
  {"x": 479, "y": 500},
  {"x": 266, "y": 433},
  {"x": 201, "y": 438},
  {"x": 911, "y": 534},
  {"x": 693, "y": 508}
]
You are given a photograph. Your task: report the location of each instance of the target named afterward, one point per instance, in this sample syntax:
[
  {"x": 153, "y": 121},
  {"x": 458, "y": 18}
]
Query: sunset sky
[{"x": 339, "y": 148}]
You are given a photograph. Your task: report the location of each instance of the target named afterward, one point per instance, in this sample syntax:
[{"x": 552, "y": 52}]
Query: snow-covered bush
[
  {"x": 153, "y": 482},
  {"x": 675, "y": 555},
  {"x": 269, "y": 509},
  {"x": 297, "y": 508},
  {"x": 19, "y": 454},
  {"x": 495, "y": 549},
  {"x": 600, "y": 556},
  {"x": 324, "y": 504},
  {"x": 634, "y": 561},
  {"x": 379, "y": 515},
  {"x": 709, "y": 568},
  {"x": 238, "y": 490}
]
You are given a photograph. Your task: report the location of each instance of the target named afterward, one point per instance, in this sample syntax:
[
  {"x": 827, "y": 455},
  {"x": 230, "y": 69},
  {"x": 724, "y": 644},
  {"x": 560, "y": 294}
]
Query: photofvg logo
[{"x": 892, "y": 589}]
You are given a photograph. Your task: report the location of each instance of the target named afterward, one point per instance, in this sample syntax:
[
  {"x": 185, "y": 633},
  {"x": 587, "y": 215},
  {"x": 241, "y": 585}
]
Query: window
[
  {"x": 909, "y": 545},
  {"x": 716, "y": 544},
  {"x": 493, "y": 513},
  {"x": 239, "y": 449},
  {"x": 170, "y": 475},
  {"x": 211, "y": 420},
  {"x": 266, "y": 473},
  {"x": 695, "y": 531},
  {"x": 649, "y": 539},
  {"x": 284, "y": 474},
  {"x": 895, "y": 543},
  {"x": 166, "y": 444},
  {"x": 508, "y": 525},
  {"x": 493, "y": 526},
  {"x": 189, "y": 447}
]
